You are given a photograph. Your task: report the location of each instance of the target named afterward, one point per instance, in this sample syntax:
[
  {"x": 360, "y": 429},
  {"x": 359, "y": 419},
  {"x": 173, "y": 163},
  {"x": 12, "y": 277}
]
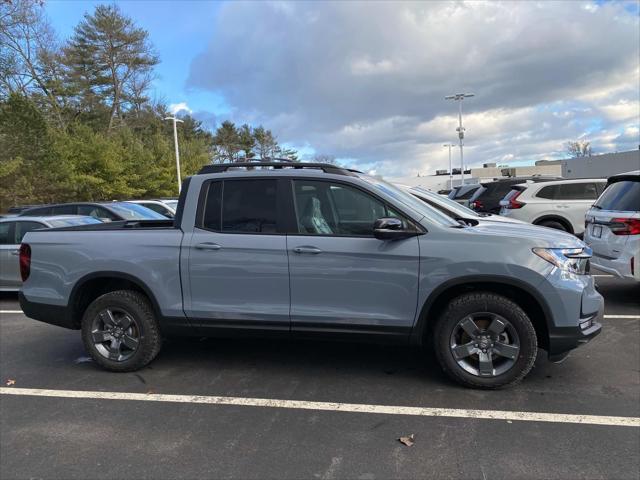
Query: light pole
[
  {"x": 458, "y": 97},
  {"x": 450, "y": 169},
  {"x": 175, "y": 141}
]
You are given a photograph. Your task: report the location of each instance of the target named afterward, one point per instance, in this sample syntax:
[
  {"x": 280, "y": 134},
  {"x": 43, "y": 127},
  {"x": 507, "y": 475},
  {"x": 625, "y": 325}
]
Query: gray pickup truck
[{"x": 314, "y": 250}]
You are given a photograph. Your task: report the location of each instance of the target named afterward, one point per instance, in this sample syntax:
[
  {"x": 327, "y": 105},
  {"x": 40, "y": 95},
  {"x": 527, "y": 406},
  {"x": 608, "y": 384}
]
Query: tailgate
[{"x": 599, "y": 236}]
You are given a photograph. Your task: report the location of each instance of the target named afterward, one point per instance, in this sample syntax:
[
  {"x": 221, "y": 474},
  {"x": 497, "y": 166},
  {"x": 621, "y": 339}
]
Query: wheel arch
[
  {"x": 556, "y": 218},
  {"x": 522, "y": 293},
  {"x": 95, "y": 284}
]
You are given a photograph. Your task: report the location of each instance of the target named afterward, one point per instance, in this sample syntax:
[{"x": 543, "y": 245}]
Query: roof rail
[{"x": 325, "y": 167}]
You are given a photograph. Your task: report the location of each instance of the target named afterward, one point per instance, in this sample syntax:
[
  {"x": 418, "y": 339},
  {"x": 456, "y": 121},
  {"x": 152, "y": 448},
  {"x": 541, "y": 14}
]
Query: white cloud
[
  {"x": 180, "y": 107},
  {"x": 366, "y": 81}
]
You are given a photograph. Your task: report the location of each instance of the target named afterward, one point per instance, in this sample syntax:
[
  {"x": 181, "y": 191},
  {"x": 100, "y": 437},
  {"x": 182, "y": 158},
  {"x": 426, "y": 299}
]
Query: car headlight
[{"x": 574, "y": 260}]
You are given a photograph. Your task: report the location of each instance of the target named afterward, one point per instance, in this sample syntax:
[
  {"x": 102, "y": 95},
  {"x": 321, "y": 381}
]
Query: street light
[
  {"x": 175, "y": 141},
  {"x": 458, "y": 97},
  {"x": 450, "y": 169}
]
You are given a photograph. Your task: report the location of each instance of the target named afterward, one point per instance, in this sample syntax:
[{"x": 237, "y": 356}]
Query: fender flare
[
  {"x": 108, "y": 274},
  {"x": 423, "y": 321}
]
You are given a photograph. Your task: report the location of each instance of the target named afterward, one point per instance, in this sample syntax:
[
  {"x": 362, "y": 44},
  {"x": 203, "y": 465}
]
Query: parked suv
[
  {"x": 314, "y": 250},
  {"x": 453, "y": 209},
  {"x": 559, "y": 204},
  {"x": 613, "y": 227},
  {"x": 487, "y": 197},
  {"x": 463, "y": 193}
]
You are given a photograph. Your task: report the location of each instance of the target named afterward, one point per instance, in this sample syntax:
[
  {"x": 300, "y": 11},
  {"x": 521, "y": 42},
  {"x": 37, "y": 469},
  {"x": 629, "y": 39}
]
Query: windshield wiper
[{"x": 597, "y": 207}]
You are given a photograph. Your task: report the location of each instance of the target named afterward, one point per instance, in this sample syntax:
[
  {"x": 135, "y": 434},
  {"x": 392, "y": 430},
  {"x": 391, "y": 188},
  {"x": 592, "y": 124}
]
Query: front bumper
[{"x": 564, "y": 339}]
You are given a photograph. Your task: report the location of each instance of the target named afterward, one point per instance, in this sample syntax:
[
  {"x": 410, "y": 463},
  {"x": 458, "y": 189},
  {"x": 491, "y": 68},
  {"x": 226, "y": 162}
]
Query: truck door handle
[
  {"x": 313, "y": 250},
  {"x": 208, "y": 246}
]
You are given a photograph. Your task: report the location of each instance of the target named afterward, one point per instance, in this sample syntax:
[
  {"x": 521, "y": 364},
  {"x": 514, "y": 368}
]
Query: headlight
[{"x": 574, "y": 260}]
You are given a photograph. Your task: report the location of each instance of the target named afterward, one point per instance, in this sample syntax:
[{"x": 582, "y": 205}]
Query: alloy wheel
[
  {"x": 115, "y": 334},
  {"x": 485, "y": 344}
]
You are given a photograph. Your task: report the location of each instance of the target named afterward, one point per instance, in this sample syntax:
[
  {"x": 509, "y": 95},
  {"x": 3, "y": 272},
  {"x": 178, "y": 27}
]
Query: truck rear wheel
[
  {"x": 120, "y": 331},
  {"x": 485, "y": 340}
]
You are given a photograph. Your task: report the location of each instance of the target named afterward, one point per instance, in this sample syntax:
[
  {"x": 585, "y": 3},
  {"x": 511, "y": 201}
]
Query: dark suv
[{"x": 487, "y": 197}]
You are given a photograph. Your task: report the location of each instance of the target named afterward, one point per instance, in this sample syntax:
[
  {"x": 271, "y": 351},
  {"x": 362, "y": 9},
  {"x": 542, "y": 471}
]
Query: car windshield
[
  {"x": 410, "y": 201},
  {"x": 133, "y": 211},
  {"x": 452, "y": 205},
  {"x": 171, "y": 203},
  {"x": 70, "y": 222},
  {"x": 623, "y": 196}
]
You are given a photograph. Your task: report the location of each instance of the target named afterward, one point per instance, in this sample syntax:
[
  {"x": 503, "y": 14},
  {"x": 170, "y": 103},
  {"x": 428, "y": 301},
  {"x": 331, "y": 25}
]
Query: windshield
[
  {"x": 623, "y": 196},
  {"x": 70, "y": 222},
  {"x": 458, "y": 209},
  {"x": 133, "y": 211},
  {"x": 171, "y": 203},
  {"x": 410, "y": 201}
]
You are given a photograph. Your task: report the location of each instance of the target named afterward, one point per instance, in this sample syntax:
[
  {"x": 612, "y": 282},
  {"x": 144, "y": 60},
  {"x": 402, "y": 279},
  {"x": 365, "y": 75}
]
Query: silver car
[
  {"x": 158, "y": 206},
  {"x": 13, "y": 229},
  {"x": 612, "y": 227}
]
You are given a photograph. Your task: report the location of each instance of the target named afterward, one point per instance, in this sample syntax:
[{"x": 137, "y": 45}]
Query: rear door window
[
  {"x": 64, "y": 210},
  {"x": 577, "y": 191},
  {"x": 5, "y": 230},
  {"x": 37, "y": 212},
  {"x": 211, "y": 216},
  {"x": 249, "y": 206},
  {"x": 23, "y": 227},
  {"x": 621, "y": 196}
]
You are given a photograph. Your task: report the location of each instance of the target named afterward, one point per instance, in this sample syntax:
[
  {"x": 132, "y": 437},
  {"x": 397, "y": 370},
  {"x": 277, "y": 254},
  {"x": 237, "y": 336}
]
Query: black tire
[
  {"x": 130, "y": 308},
  {"x": 553, "y": 224},
  {"x": 522, "y": 336}
]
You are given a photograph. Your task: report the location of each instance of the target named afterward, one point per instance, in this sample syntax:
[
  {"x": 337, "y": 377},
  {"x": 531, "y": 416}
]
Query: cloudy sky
[{"x": 366, "y": 82}]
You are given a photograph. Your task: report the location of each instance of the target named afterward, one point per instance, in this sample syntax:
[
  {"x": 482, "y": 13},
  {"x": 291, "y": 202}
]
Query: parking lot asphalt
[{"x": 64, "y": 437}]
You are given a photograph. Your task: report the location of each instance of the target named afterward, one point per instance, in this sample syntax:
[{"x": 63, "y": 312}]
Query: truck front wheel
[
  {"x": 485, "y": 340},
  {"x": 120, "y": 331}
]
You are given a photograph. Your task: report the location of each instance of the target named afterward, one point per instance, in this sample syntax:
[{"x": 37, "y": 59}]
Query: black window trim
[{"x": 286, "y": 223}]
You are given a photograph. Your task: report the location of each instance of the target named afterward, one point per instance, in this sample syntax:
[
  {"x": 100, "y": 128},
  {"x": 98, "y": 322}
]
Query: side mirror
[{"x": 391, "y": 229}]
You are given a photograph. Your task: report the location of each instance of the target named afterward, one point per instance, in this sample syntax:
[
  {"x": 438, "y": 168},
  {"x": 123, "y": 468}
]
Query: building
[
  {"x": 597, "y": 166},
  {"x": 601, "y": 166}
]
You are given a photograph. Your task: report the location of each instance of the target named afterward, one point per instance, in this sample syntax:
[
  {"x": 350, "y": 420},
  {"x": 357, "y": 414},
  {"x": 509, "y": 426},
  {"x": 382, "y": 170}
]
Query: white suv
[
  {"x": 559, "y": 204},
  {"x": 613, "y": 227}
]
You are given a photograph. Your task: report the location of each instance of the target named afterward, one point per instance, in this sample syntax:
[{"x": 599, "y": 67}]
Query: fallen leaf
[
  {"x": 509, "y": 421},
  {"x": 10, "y": 382},
  {"x": 151, "y": 392},
  {"x": 408, "y": 441}
]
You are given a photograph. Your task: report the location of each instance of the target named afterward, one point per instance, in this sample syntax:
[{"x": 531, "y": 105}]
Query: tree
[
  {"x": 266, "y": 144},
  {"x": 29, "y": 57},
  {"x": 579, "y": 148},
  {"x": 246, "y": 142},
  {"x": 109, "y": 61},
  {"x": 226, "y": 142}
]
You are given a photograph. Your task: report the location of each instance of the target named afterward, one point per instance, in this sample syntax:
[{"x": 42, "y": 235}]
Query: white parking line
[
  {"x": 606, "y": 316},
  {"x": 333, "y": 407},
  {"x": 602, "y": 275}
]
